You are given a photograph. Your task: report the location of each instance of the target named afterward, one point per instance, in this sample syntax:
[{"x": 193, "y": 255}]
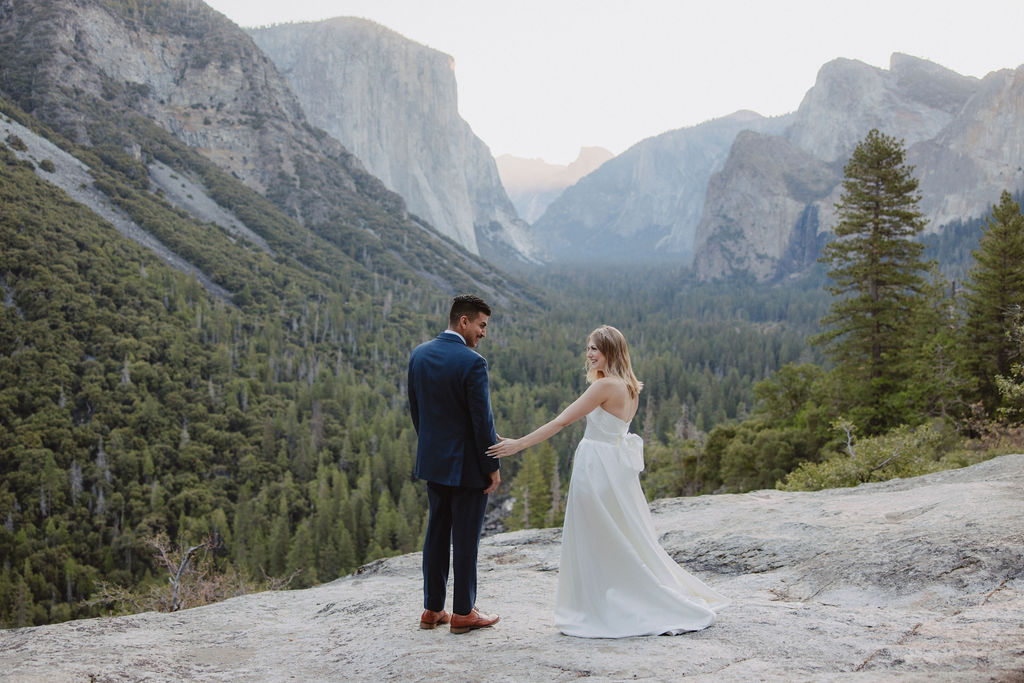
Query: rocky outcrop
[
  {"x": 964, "y": 137},
  {"x": 132, "y": 61},
  {"x": 917, "y": 579},
  {"x": 913, "y": 100},
  {"x": 393, "y": 103},
  {"x": 532, "y": 184},
  {"x": 767, "y": 181},
  {"x": 646, "y": 202},
  {"x": 980, "y": 153}
]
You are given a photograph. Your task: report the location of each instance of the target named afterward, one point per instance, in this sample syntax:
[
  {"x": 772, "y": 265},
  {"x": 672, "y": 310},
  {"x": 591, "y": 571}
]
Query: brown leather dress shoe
[
  {"x": 461, "y": 623},
  {"x": 430, "y": 618}
]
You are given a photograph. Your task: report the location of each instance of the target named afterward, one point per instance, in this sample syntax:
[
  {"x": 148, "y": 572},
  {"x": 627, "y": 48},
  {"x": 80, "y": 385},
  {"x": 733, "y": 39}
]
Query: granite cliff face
[
  {"x": 532, "y": 184},
  {"x": 978, "y": 154},
  {"x": 964, "y": 136},
  {"x": 913, "y": 100},
  {"x": 647, "y": 201},
  {"x": 235, "y": 108},
  {"x": 131, "y": 77},
  {"x": 767, "y": 181},
  {"x": 916, "y": 579},
  {"x": 393, "y": 103}
]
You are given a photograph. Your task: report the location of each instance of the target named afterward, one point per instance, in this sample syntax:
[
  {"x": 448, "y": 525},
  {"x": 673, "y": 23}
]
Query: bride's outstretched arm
[{"x": 596, "y": 394}]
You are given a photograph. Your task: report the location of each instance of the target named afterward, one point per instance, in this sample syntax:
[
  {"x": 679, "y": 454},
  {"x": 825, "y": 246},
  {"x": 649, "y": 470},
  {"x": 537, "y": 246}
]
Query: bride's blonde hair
[{"x": 612, "y": 345}]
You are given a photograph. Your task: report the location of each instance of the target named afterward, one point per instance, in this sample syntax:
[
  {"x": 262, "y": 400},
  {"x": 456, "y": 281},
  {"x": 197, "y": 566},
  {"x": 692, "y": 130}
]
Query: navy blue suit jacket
[{"x": 450, "y": 403}]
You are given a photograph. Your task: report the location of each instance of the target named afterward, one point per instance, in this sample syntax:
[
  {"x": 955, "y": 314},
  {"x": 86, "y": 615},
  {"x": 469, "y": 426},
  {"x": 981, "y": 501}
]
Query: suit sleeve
[
  {"x": 479, "y": 399},
  {"x": 414, "y": 408}
]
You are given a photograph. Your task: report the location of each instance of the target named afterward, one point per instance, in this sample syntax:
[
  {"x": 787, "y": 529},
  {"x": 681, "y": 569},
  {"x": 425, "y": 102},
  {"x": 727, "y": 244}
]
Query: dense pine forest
[{"x": 143, "y": 416}]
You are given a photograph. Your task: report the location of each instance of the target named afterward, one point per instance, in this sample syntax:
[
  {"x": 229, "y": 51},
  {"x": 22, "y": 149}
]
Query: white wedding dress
[{"x": 615, "y": 580}]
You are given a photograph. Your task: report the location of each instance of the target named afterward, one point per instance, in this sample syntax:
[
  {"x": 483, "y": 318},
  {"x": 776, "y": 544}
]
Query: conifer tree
[
  {"x": 532, "y": 489},
  {"x": 279, "y": 541},
  {"x": 994, "y": 292},
  {"x": 939, "y": 382},
  {"x": 301, "y": 556},
  {"x": 877, "y": 282},
  {"x": 347, "y": 557},
  {"x": 1011, "y": 388}
]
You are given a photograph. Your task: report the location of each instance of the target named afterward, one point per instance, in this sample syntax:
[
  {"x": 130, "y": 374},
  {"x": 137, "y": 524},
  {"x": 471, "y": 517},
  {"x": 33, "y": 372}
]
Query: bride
[{"x": 614, "y": 579}]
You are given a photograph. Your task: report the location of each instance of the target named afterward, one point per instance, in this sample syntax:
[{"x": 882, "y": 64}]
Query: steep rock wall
[{"x": 393, "y": 103}]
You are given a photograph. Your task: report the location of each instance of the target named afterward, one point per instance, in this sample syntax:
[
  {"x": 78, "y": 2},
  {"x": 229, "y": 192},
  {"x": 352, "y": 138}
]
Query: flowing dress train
[{"x": 615, "y": 580}]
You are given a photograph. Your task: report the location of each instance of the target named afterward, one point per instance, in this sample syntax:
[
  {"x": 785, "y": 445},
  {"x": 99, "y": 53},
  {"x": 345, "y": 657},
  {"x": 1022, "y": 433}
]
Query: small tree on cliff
[{"x": 877, "y": 279}]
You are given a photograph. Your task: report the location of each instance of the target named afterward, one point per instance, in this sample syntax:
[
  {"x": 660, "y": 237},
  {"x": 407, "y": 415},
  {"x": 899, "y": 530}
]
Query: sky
[{"x": 543, "y": 78}]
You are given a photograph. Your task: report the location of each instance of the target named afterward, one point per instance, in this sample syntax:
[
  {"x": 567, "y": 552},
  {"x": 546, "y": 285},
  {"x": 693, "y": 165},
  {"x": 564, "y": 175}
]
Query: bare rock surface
[
  {"x": 915, "y": 580},
  {"x": 191, "y": 196}
]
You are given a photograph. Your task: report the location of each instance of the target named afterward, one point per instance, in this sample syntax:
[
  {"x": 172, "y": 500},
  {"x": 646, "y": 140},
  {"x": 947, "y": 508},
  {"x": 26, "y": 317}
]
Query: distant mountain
[
  {"x": 646, "y": 202},
  {"x": 771, "y": 207},
  {"x": 111, "y": 75},
  {"x": 393, "y": 103},
  {"x": 532, "y": 184}
]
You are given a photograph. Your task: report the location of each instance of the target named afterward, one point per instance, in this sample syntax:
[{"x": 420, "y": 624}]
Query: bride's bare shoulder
[{"x": 611, "y": 385}]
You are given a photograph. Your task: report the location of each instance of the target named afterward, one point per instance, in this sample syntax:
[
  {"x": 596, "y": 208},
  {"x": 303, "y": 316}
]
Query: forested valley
[{"x": 142, "y": 417}]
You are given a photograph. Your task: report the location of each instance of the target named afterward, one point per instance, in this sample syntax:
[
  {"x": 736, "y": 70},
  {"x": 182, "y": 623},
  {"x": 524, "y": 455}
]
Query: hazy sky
[{"x": 542, "y": 78}]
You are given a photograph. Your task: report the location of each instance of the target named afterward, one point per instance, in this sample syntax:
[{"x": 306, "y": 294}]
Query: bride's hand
[{"x": 504, "y": 448}]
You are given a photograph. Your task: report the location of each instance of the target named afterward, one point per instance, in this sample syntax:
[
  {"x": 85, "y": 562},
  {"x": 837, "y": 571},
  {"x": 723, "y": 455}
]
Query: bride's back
[{"x": 620, "y": 403}]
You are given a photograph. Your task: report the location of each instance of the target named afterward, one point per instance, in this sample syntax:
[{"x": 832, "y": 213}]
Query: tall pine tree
[
  {"x": 994, "y": 294},
  {"x": 877, "y": 282}
]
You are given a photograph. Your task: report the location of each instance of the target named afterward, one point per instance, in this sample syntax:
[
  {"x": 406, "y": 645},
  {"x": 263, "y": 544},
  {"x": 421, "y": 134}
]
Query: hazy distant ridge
[
  {"x": 532, "y": 184},
  {"x": 745, "y": 194},
  {"x": 647, "y": 201},
  {"x": 772, "y": 206}
]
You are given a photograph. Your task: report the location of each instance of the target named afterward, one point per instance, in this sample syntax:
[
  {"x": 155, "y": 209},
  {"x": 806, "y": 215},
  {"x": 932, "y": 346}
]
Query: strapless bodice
[{"x": 604, "y": 427}]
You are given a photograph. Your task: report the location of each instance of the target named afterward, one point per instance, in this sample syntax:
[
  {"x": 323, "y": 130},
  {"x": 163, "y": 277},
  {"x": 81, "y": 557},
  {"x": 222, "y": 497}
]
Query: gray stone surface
[
  {"x": 190, "y": 195},
  {"x": 907, "y": 580},
  {"x": 912, "y": 100},
  {"x": 766, "y": 182}
]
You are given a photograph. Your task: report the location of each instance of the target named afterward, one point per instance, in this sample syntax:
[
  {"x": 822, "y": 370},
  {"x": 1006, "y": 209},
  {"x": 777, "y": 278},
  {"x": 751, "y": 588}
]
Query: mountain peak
[{"x": 589, "y": 159}]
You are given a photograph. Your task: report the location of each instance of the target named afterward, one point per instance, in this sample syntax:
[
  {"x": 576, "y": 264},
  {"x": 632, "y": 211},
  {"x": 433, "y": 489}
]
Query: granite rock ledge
[{"x": 917, "y": 579}]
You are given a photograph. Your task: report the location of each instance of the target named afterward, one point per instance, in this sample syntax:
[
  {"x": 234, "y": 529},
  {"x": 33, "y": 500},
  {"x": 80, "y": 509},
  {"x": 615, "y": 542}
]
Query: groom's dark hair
[{"x": 467, "y": 305}]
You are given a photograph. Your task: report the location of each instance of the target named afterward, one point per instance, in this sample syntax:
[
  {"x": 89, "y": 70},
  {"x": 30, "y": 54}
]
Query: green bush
[
  {"x": 902, "y": 452},
  {"x": 16, "y": 143}
]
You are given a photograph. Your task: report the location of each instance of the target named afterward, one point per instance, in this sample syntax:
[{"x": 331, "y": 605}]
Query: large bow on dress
[{"x": 633, "y": 445}]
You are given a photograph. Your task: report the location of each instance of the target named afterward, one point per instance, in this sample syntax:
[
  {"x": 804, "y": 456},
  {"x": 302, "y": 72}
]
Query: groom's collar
[{"x": 456, "y": 335}]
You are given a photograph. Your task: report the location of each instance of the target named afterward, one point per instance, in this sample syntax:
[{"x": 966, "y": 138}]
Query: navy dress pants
[{"x": 454, "y": 525}]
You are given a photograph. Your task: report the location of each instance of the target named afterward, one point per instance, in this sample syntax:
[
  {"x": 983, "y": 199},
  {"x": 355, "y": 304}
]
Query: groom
[{"x": 451, "y": 410}]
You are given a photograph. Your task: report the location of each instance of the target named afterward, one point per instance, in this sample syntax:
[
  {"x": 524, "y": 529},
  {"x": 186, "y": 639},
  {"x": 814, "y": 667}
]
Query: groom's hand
[{"x": 495, "y": 480}]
